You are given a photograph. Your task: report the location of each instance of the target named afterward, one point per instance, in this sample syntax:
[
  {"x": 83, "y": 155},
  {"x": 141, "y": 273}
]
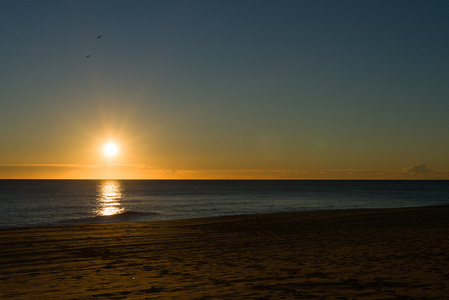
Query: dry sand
[{"x": 361, "y": 254}]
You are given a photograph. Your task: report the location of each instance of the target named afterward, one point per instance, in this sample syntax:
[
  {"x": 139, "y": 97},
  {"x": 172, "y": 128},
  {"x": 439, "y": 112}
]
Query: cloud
[
  {"x": 76, "y": 171},
  {"x": 420, "y": 169}
]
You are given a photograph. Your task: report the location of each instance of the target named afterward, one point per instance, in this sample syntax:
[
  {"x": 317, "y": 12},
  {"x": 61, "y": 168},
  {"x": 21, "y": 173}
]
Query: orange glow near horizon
[{"x": 119, "y": 171}]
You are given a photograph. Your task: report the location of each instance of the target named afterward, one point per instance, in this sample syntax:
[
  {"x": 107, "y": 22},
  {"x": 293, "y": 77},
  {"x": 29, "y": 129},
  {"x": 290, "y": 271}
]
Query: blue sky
[{"x": 226, "y": 85}]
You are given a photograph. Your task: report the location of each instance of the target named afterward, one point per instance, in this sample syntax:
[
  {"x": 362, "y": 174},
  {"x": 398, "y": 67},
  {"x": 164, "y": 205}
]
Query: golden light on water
[{"x": 109, "y": 197}]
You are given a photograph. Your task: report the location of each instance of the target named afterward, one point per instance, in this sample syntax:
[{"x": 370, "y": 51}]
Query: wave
[{"x": 126, "y": 216}]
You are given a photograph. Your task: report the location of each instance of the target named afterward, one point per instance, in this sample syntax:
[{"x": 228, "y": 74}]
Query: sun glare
[{"x": 110, "y": 149}]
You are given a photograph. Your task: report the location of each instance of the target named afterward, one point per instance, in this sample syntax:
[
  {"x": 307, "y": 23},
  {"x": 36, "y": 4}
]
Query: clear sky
[{"x": 224, "y": 89}]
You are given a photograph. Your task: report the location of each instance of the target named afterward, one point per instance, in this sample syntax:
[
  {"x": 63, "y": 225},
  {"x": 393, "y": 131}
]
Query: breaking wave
[{"x": 127, "y": 216}]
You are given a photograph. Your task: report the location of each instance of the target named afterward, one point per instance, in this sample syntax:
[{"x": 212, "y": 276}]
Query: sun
[{"x": 110, "y": 149}]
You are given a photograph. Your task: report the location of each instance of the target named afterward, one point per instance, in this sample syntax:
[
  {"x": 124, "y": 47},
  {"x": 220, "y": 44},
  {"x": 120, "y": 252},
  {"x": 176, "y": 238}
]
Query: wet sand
[{"x": 361, "y": 254}]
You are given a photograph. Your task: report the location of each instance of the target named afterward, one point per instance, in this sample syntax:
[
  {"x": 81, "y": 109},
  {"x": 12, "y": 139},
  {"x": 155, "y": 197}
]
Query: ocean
[{"x": 53, "y": 202}]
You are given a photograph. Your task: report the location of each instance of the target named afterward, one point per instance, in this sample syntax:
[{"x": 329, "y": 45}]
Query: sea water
[{"x": 52, "y": 202}]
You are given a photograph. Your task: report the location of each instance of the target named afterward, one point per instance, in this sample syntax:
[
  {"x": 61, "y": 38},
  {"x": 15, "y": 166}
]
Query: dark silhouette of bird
[
  {"x": 100, "y": 36},
  {"x": 87, "y": 56}
]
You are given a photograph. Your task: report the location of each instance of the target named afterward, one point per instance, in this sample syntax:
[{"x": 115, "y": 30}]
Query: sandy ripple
[{"x": 362, "y": 254}]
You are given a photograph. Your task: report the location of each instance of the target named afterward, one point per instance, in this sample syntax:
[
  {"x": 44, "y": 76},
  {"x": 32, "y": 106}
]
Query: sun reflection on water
[{"x": 109, "y": 195}]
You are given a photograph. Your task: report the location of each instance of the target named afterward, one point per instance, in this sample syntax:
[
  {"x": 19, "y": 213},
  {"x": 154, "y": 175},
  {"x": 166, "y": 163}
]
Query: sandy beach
[{"x": 343, "y": 254}]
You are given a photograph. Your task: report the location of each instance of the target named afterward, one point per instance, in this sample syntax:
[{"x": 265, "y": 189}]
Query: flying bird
[{"x": 98, "y": 37}]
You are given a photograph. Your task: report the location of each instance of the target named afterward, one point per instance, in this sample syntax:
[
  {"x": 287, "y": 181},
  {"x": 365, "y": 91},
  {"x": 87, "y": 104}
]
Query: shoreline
[
  {"x": 362, "y": 253},
  {"x": 75, "y": 222}
]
